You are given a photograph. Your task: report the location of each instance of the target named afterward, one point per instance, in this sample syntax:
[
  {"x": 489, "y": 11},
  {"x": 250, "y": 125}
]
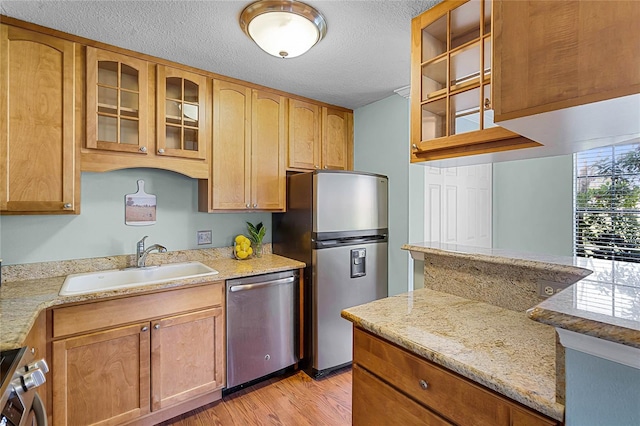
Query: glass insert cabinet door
[
  {"x": 181, "y": 113},
  {"x": 455, "y": 71},
  {"x": 117, "y": 102}
]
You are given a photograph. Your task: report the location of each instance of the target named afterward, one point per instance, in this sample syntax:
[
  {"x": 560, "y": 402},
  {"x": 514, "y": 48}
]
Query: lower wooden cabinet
[
  {"x": 186, "y": 357},
  {"x": 388, "y": 376},
  {"x": 138, "y": 370},
  {"x": 102, "y": 378},
  {"x": 375, "y": 402}
]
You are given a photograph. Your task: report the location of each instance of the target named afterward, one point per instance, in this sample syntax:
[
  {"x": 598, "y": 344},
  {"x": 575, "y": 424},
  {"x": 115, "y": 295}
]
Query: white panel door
[{"x": 458, "y": 205}]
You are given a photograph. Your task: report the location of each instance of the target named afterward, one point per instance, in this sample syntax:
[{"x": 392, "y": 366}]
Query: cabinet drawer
[
  {"x": 453, "y": 397},
  {"x": 375, "y": 402},
  {"x": 109, "y": 313}
]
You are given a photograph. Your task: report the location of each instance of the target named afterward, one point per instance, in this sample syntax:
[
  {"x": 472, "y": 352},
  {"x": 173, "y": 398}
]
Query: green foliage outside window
[{"x": 607, "y": 203}]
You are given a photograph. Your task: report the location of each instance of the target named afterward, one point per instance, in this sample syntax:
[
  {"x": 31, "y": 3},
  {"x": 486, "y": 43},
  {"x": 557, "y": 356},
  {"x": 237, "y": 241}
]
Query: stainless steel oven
[{"x": 20, "y": 375}]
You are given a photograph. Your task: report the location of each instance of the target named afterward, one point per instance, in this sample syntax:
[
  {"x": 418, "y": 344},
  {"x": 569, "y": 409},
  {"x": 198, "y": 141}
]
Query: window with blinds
[{"x": 607, "y": 203}]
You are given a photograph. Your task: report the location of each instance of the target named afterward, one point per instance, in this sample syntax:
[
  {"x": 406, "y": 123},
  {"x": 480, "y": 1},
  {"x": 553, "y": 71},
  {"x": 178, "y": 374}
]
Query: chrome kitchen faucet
[{"x": 141, "y": 252}]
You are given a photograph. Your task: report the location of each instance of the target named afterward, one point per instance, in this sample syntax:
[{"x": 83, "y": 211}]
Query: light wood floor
[{"x": 293, "y": 400}]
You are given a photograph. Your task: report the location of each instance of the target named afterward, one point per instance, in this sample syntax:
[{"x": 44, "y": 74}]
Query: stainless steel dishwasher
[{"x": 261, "y": 326}]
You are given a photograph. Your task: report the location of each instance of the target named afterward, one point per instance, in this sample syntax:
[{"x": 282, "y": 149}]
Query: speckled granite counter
[
  {"x": 499, "y": 348},
  {"x": 602, "y": 301},
  {"x": 30, "y": 288},
  {"x": 605, "y": 305}
]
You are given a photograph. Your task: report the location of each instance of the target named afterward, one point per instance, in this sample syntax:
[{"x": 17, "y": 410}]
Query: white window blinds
[{"x": 607, "y": 203}]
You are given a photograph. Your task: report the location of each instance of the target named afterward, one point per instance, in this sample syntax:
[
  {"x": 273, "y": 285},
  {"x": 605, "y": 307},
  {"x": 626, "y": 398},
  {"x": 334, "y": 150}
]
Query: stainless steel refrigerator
[{"x": 337, "y": 223}]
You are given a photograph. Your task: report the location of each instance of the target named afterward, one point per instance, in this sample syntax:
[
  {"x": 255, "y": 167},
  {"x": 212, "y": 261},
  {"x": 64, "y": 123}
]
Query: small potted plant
[{"x": 256, "y": 234}]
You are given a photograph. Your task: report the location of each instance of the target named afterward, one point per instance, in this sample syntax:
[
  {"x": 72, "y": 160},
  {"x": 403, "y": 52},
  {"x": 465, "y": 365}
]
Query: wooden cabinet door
[
  {"x": 304, "y": 135},
  {"x": 181, "y": 113},
  {"x": 553, "y": 55},
  {"x": 117, "y": 102},
  {"x": 187, "y": 357},
  {"x": 375, "y": 402},
  {"x": 36, "y": 343},
  {"x": 231, "y": 157},
  {"x": 37, "y": 143},
  {"x": 451, "y": 84},
  {"x": 101, "y": 378},
  {"x": 336, "y": 130},
  {"x": 268, "y": 144}
]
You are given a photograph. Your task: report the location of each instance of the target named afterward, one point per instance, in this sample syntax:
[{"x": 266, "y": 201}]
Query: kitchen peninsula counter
[
  {"x": 600, "y": 299},
  {"x": 30, "y": 288},
  {"x": 498, "y": 348},
  {"x": 474, "y": 316}
]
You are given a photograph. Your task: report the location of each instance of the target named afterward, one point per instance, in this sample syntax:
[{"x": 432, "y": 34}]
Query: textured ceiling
[{"x": 364, "y": 57}]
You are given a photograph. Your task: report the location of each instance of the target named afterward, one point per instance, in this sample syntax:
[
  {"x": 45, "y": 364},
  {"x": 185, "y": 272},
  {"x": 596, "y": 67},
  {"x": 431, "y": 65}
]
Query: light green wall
[
  {"x": 600, "y": 392},
  {"x": 381, "y": 142},
  {"x": 532, "y": 199},
  {"x": 100, "y": 230},
  {"x": 533, "y": 205}
]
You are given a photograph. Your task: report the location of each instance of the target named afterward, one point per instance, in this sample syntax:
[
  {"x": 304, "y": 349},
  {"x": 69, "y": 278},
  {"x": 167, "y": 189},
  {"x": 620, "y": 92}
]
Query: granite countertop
[
  {"x": 34, "y": 287},
  {"x": 499, "y": 348},
  {"x": 604, "y": 303}
]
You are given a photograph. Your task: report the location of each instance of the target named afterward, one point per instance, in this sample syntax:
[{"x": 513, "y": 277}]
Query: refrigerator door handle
[
  {"x": 345, "y": 241},
  {"x": 246, "y": 287}
]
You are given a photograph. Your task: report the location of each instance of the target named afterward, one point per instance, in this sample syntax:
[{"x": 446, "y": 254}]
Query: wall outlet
[
  {"x": 549, "y": 288},
  {"x": 204, "y": 237}
]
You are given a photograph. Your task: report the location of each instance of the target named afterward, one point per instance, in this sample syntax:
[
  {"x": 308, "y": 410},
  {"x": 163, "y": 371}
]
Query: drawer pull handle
[{"x": 424, "y": 385}]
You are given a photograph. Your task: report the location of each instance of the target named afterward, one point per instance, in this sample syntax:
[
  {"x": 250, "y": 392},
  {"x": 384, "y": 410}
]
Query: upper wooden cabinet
[
  {"x": 319, "y": 137},
  {"x": 249, "y": 137},
  {"x": 337, "y": 136},
  {"x": 120, "y": 106},
  {"x": 117, "y": 102},
  {"x": 39, "y": 171},
  {"x": 304, "y": 135},
  {"x": 181, "y": 113},
  {"x": 568, "y": 71},
  {"x": 451, "y": 90}
]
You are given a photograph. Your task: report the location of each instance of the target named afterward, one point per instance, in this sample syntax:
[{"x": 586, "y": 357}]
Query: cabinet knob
[
  {"x": 156, "y": 327},
  {"x": 423, "y": 384},
  {"x": 67, "y": 205},
  {"x": 316, "y": 166},
  {"x": 487, "y": 103},
  {"x": 255, "y": 205},
  {"x": 248, "y": 206},
  {"x": 161, "y": 151},
  {"x": 414, "y": 147},
  {"x": 145, "y": 328},
  {"x": 143, "y": 149},
  {"x": 326, "y": 167}
]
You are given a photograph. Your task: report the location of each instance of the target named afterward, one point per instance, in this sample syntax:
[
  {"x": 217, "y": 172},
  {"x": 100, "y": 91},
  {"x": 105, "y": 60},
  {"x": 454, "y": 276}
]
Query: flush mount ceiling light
[{"x": 283, "y": 28}]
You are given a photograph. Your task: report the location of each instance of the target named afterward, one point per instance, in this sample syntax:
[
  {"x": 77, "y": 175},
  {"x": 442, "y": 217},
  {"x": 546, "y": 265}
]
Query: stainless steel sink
[{"x": 132, "y": 277}]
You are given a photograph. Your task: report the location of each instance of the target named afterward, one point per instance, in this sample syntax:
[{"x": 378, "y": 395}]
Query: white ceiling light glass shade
[{"x": 285, "y": 29}]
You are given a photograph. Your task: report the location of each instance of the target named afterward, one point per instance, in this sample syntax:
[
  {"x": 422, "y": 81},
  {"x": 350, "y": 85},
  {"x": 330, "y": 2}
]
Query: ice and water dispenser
[{"x": 358, "y": 262}]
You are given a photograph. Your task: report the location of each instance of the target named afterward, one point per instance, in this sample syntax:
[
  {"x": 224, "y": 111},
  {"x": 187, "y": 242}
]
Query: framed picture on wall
[{"x": 140, "y": 208}]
